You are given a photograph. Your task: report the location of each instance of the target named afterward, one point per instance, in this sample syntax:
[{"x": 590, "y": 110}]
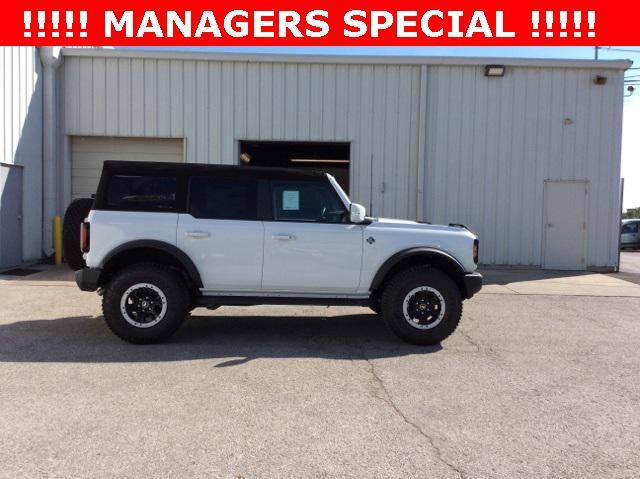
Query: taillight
[
  {"x": 476, "y": 250},
  {"x": 84, "y": 237}
]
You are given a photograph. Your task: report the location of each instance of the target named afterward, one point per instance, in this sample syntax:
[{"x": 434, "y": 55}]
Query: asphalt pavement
[{"x": 530, "y": 385}]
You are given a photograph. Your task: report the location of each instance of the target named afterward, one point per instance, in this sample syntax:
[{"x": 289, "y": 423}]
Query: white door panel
[
  {"x": 228, "y": 253},
  {"x": 311, "y": 257},
  {"x": 565, "y": 216}
]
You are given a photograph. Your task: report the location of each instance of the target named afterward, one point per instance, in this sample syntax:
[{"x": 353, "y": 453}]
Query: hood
[{"x": 396, "y": 223}]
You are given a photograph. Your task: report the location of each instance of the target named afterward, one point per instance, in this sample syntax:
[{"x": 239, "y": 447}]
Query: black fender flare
[
  {"x": 420, "y": 251},
  {"x": 168, "y": 248}
]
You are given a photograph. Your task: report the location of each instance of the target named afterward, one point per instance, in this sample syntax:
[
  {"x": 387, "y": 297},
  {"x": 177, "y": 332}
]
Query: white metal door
[
  {"x": 228, "y": 253},
  {"x": 89, "y": 152},
  {"x": 311, "y": 257},
  {"x": 10, "y": 215},
  {"x": 565, "y": 225}
]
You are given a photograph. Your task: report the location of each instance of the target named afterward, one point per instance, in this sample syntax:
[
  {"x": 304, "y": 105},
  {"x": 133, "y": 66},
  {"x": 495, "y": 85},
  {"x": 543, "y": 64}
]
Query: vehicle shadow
[{"x": 85, "y": 339}]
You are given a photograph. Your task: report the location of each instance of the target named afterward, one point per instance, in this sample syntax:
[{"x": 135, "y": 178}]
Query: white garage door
[{"x": 88, "y": 153}]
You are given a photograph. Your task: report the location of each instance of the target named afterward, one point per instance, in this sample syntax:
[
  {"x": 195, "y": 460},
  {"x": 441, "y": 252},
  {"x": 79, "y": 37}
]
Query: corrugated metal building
[
  {"x": 21, "y": 162},
  {"x": 529, "y": 160}
]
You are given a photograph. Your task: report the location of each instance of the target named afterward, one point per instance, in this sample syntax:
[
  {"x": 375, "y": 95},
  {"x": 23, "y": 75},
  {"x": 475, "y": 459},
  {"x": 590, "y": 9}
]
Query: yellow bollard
[{"x": 57, "y": 239}]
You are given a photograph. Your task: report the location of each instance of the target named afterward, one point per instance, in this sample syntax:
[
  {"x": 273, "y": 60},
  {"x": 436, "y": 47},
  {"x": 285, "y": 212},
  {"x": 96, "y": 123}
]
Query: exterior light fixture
[
  {"x": 494, "y": 71},
  {"x": 599, "y": 80},
  {"x": 245, "y": 158}
]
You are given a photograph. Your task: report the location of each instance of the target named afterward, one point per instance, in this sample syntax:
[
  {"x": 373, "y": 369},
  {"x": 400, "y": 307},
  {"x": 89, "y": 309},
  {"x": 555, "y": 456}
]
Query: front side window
[
  {"x": 629, "y": 228},
  {"x": 141, "y": 193},
  {"x": 223, "y": 198},
  {"x": 308, "y": 201}
]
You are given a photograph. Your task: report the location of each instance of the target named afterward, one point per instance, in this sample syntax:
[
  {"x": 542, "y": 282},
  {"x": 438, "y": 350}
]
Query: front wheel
[
  {"x": 145, "y": 303},
  {"x": 422, "y": 305}
]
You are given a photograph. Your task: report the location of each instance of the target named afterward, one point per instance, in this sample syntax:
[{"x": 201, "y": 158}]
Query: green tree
[{"x": 631, "y": 213}]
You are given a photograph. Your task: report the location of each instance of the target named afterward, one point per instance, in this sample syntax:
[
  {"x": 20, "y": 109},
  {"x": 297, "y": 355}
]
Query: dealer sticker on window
[{"x": 290, "y": 200}]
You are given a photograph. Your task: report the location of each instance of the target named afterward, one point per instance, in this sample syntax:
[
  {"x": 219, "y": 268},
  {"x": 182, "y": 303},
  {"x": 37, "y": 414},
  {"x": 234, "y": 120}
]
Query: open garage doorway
[{"x": 332, "y": 158}]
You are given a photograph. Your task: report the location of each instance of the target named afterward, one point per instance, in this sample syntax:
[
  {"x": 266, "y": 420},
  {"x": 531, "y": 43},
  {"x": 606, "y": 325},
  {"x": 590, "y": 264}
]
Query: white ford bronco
[{"x": 161, "y": 239}]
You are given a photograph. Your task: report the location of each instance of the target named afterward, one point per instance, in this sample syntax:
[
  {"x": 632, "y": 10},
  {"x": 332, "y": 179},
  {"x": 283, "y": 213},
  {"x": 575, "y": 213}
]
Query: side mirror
[{"x": 357, "y": 213}]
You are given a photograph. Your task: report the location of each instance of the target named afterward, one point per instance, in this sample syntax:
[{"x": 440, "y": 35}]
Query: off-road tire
[
  {"x": 76, "y": 213},
  {"x": 160, "y": 276},
  {"x": 375, "y": 306},
  {"x": 399, "y": 287}
]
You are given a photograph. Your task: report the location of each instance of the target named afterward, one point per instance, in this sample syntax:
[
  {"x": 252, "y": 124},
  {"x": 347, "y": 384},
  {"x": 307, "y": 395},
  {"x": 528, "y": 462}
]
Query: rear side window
[
  {"x": 141, "y": 193},
  {"x": 308, "y": 201},
  {"x": 223, "y": 198}
]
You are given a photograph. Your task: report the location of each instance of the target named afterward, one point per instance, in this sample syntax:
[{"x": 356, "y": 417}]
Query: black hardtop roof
[{"x": 112, "y": 167}]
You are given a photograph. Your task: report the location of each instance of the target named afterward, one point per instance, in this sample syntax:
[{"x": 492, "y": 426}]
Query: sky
[{"x": 631, "y": 121}]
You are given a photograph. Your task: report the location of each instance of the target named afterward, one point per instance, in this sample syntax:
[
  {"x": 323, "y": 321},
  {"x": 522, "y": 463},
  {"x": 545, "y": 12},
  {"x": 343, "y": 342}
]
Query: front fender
[{"x": 419, "y": 255}]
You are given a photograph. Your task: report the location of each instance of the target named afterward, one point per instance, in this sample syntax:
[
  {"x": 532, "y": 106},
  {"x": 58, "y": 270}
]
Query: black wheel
[
  {"x": 145, "y": 303},
  {"x": 76, "y": 213},
  {"x": 422, "y": 305}
]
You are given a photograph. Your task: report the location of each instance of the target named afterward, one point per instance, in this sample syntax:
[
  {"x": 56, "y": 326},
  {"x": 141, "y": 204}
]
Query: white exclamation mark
[
  {"x": 535, "y": 22},
  {"x": 83, "y": 24},
  {"x": 549, "y": 20},
  {"x": 27, "y": 24},
  {"x": 69, "y": 22},
  {"x": 55, "y": 20},
  {"x": 591, "y": 20},
  {"x": 41, "y": 20},
  {"x": 563, "y": 24},
  {"x": 577, "y": 20}
]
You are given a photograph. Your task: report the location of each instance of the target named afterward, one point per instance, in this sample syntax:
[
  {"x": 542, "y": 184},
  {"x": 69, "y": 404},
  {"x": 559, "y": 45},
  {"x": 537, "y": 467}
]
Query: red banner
[{"x": 308, "y": 23}]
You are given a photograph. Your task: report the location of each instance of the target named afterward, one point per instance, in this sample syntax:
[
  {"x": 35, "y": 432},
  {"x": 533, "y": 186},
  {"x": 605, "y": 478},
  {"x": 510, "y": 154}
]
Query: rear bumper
[
  {"x": 472, "y": 284},
  {"x": 87, "y": 278}
]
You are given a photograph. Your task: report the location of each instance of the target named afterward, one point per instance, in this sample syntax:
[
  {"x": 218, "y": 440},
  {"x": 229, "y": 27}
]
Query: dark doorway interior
[{"x": 332, "y": 158}]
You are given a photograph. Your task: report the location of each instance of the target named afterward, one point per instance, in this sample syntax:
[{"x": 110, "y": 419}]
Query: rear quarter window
[{"x": 141, "y": 193}]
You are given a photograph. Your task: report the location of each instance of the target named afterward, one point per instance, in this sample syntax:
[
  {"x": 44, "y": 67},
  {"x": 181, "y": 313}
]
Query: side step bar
[{"x": 281, "y": 300}]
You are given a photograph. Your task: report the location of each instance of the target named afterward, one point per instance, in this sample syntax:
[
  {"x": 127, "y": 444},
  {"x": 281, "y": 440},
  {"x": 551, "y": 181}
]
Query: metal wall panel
[
  {"x": 21, "y": 135},
  {"x": 439, "y": 142},
  {"x": 213, "y": 104},
  {"x": 492, "y": 142}
]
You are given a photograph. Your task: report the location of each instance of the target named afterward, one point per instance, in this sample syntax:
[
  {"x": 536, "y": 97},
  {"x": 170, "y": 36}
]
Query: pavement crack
[
  {"x": 470, "y": 340},
  {"x": 382, "y": 393},
  {"x": 480, "y": 348}
]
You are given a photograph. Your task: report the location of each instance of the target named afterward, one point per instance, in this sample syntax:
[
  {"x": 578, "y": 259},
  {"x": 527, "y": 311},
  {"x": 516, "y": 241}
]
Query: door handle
[
  {"x": 197, "y": 234},
  {"x": 283, "y": 237}
]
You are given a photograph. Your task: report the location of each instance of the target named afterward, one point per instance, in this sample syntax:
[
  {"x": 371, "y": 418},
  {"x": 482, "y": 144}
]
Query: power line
[{"x": 626, "y": 50}]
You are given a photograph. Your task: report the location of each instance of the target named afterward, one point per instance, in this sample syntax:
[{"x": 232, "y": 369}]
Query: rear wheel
[
  {"x": 75, "y": 214},
  {"x": 422, "y": 305},
  {"x": 145, "y": 303},
  {"x": 375, "y": 306}
]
